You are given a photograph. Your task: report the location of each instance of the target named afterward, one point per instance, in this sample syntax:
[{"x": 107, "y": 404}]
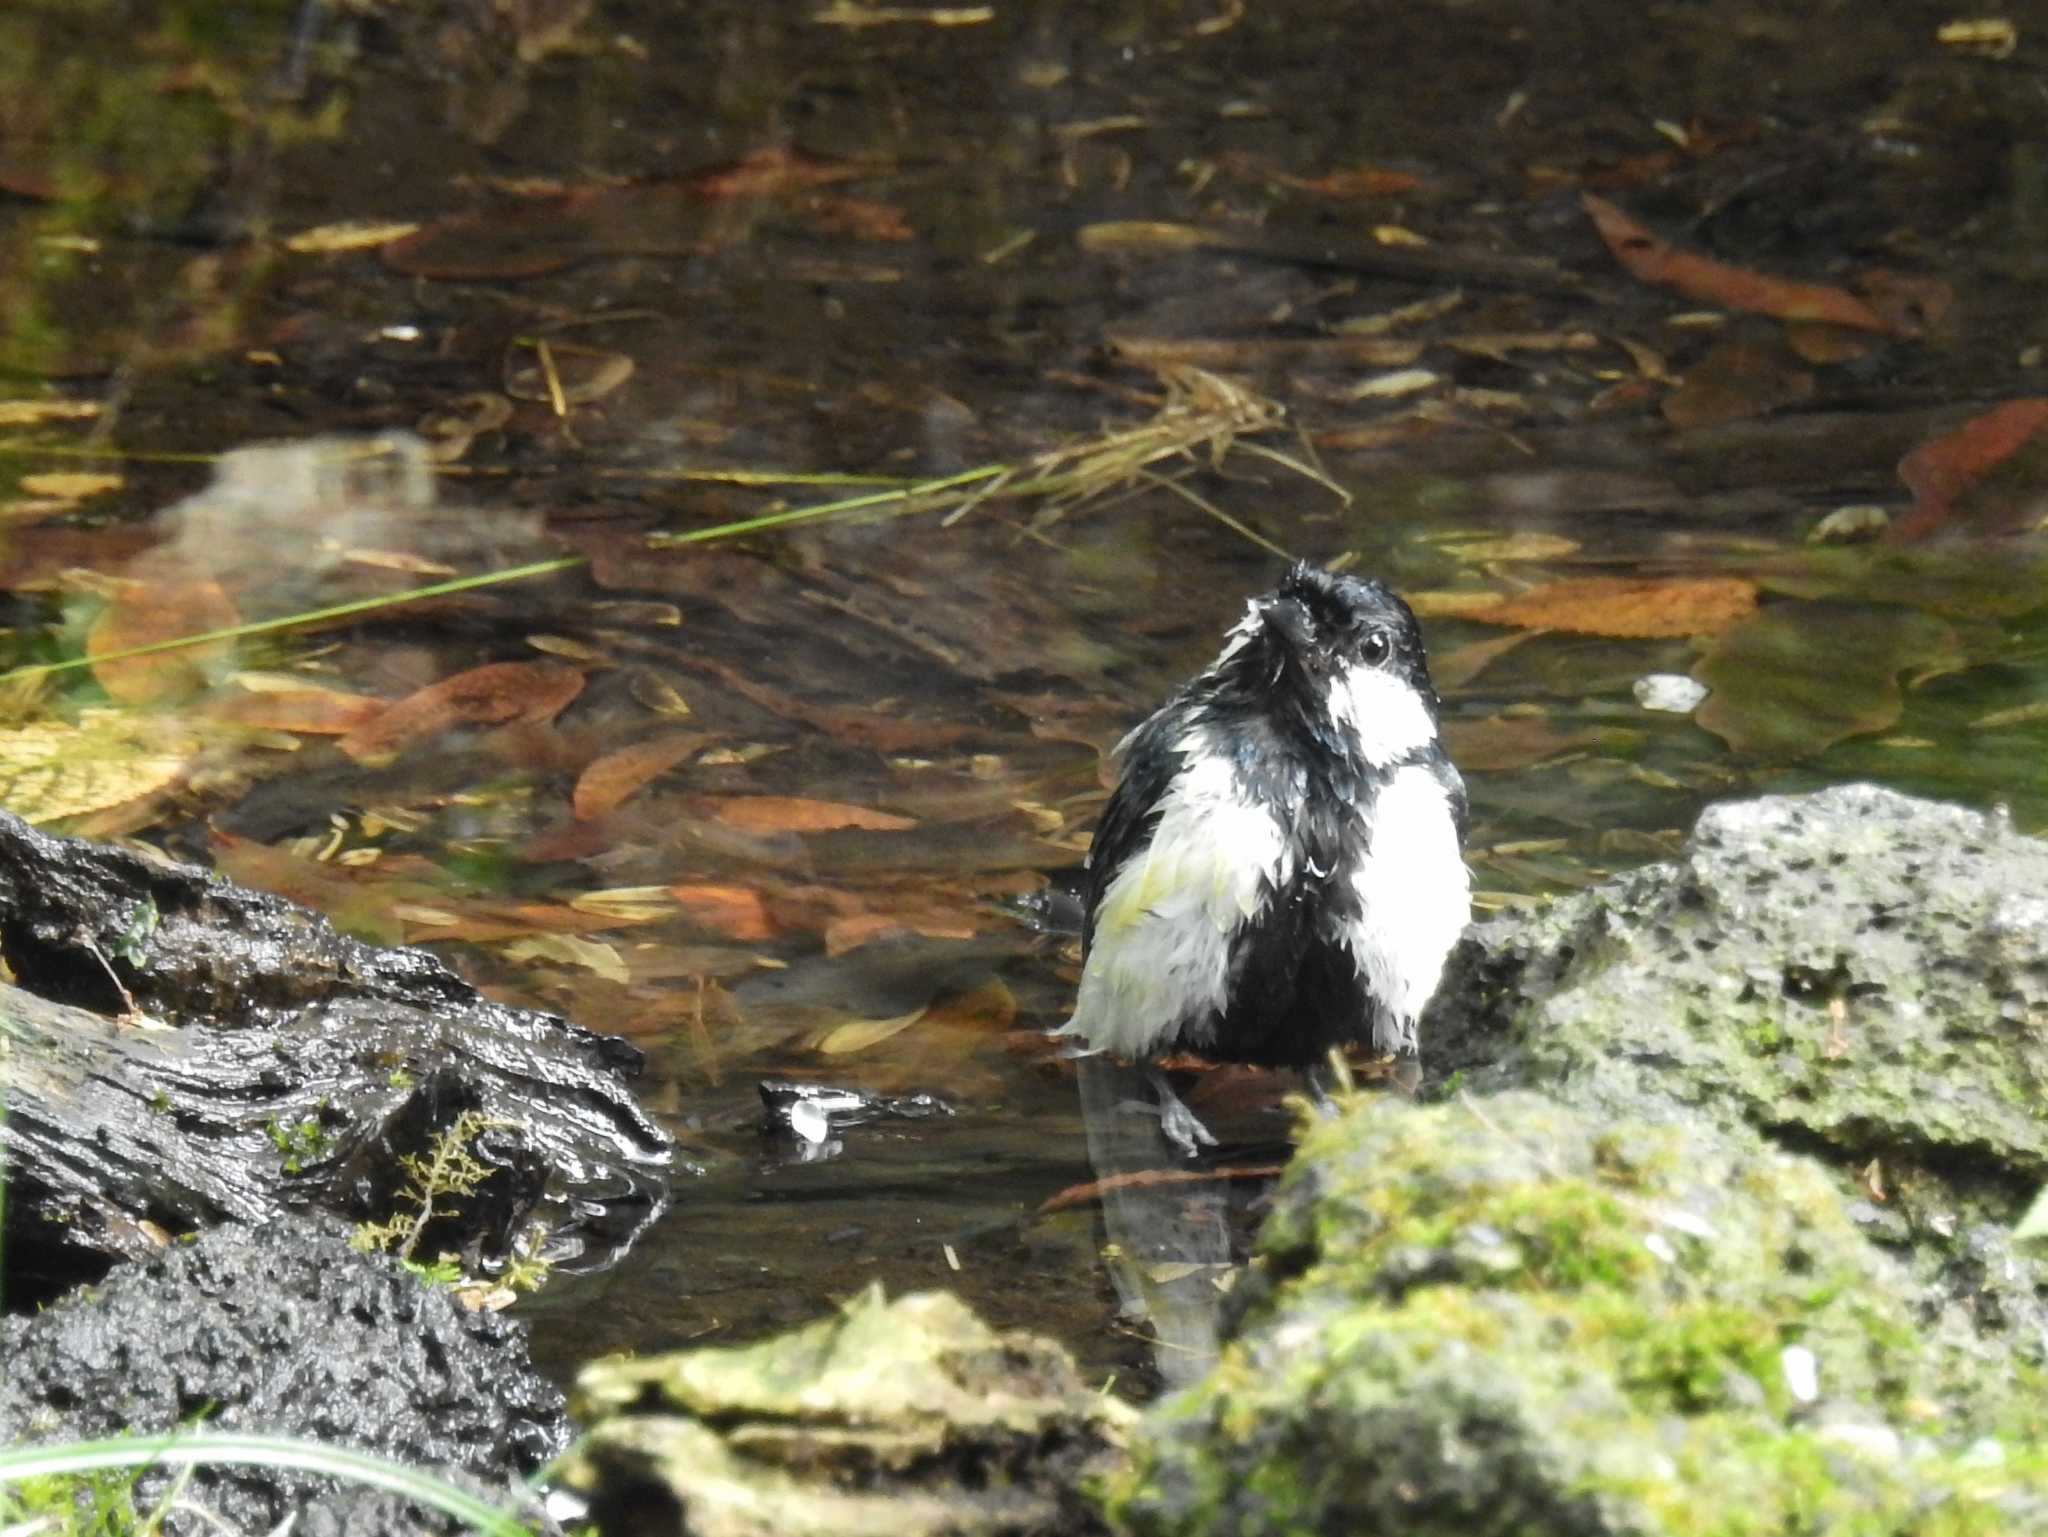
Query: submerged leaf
[
  {"x": 1499, "y": 743},
  {"x": 1618, "y": 606},
  {"x": 146, "y": 613},
  {"x": 989, "y": 1006},
  {"x": 70, "y": 485},
  {"x": 1798, "y": 677},
  {"x": 278, "y": 702},
  {"x": 617, "y": 775},
  {"x": 1963, "y": 579},
  {"x": 1735, "y": 380},
  {"x": 1942, "y": 469},
  {"x": 491, "y": 695},
  {"x": 50, "y": 770},
  {"x": 860, "y": 1034},
  {"x": 670, "y": 218},
  {"x": 1456, "y": 667},
  {"x": 1652, "y": 259},
  {"x": 737, "y": 912},
  {"x": 798, "y": 814},
  {"x": 572, "y": 950}
]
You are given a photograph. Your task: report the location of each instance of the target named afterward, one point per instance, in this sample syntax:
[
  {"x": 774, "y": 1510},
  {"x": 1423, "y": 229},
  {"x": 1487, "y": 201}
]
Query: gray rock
[{"x": 1854, "y": 971}]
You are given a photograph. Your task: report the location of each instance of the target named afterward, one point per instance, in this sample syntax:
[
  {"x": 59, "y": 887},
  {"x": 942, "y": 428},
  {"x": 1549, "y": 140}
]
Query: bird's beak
[{"x": 1286, "y": 618}]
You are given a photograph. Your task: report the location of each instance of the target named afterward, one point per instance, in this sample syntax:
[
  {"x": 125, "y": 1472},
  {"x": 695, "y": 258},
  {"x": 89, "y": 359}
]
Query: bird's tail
[{"x": 1393, "y": 1035}]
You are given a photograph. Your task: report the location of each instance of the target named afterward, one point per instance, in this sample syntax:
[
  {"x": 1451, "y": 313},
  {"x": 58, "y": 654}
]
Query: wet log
[{"x": 177, "y": 1051}]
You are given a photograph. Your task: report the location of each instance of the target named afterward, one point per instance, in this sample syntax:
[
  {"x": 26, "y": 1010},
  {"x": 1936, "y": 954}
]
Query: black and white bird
[{"x": 1280, "y": 868}]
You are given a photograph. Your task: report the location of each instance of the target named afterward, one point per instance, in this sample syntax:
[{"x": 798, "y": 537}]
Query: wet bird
[{"x": 1279, "y": 869}]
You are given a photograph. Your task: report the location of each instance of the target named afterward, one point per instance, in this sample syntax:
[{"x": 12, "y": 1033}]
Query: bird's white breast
[
  {"x": 1414, "y": 893},
  {"x": 1161, "y": 949}
]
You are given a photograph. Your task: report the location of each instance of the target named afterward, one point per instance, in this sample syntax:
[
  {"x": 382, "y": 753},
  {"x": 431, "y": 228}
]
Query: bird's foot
[{"x": 1178, "y": 1124}]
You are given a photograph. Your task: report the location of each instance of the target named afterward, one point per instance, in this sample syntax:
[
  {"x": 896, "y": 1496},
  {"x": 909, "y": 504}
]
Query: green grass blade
[{"x": 207, "y": 1448}]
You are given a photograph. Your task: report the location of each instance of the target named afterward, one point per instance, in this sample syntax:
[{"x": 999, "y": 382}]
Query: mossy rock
[
  {"x": 904, "y": 1418},
  {"x": 1507, "y": 1317},
  {"x": 1855, "y": 971}
]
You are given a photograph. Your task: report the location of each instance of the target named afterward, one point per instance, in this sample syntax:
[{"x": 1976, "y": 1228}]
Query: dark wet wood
[{"x": 177, "y": 1051}]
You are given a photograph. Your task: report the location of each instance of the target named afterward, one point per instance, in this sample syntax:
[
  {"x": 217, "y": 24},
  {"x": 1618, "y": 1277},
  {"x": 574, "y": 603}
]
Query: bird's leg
[
  {"x": 1321, "y": 1080},
  {"x": 1327, "y": 1078},
  {"x": 1177, "y": 1123}
]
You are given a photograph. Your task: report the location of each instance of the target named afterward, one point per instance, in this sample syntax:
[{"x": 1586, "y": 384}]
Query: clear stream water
[{"x": 918, "y": 275}]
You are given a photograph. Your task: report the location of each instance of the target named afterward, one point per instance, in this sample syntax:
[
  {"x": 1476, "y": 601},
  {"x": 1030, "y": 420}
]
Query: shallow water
[{"x": 928, "y": 266}]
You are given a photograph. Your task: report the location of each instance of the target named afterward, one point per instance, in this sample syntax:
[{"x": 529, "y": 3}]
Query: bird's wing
[{"x": 1151, "y": 759}]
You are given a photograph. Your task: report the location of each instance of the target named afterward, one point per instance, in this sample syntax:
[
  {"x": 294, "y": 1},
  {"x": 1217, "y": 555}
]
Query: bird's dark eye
[{"x": 1374, "y": 647}]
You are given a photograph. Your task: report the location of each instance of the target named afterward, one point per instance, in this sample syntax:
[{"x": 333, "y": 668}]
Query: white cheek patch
[
  {"x": 1413, "y": 891},
  {"x": 1385, "y": 713},
  {"x": 1161, "y": 952}
]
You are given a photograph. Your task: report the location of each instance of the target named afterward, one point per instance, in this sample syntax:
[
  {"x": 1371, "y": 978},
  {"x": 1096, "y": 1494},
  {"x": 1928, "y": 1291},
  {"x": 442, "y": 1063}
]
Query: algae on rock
[
  {"x": 893, "y": 1419},
  {"x": 1855, "y": 973},
  {"x": 1506, "y": 1317},
  {"x": 1856, "y": 970}
]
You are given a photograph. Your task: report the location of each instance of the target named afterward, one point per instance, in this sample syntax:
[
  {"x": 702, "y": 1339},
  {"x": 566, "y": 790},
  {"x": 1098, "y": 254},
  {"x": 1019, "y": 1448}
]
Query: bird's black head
[
  {"x": 1342, "y": 649},
  {"x": 1334, "y": 622}
]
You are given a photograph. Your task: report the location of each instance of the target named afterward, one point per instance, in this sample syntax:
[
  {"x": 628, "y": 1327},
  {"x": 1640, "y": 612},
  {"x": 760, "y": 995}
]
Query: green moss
[
  {"x": 1691, "y": 1358},
  {"x": 301, "y": 1142},
  {"x": 1552, "y": 1325}
]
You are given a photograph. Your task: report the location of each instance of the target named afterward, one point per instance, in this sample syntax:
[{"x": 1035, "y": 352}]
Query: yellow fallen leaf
[
  {"x": 52, "y": 769},
  {"x": 860, "y": 1034},
  {"x": 348, "y": 235},
  {"x": 31, "y": 413},
  {"x": 71, "y": 486},
  {"x": 573, "y": 950},
  {"x": 1488, "y": 549}
]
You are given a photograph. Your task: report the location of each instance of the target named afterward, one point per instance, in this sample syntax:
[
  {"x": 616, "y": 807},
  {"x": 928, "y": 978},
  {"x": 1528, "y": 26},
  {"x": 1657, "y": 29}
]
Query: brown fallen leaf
[
  {"x": 1734, "y": 381},
  {"x": 1142, "y": 1179},
  {"x": 144, "y": 613},
  {"x": 670, "y": 218},
  {"x": 612, "y": 779},
  {"x": 1353, "y": 182},
  {"x": 483, "y": 922},
  {"x": 799, "y": 814},
  {"x": 1651, "y": 259},
  {"x": 1496, "y": 744},
  {"x": 1817, "y": 343},
  {"x": 737, "y": 912},
  {"x": 848, "y": 13},
  {"x": 989, "y": 1006},
  {"x": 1621, "y": 607},
  {"x": 492, "y": 695},
  {"x": 1941, "y": 469},
  {"x": 1912, "y": 302},
  {"x": 858, "y": 218},
  {"x": 275, "y": 702},
  {"x": 844, "y": 935},
  {"x": 848, "y": 724},
  {"x": 360, "y": 902}
]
